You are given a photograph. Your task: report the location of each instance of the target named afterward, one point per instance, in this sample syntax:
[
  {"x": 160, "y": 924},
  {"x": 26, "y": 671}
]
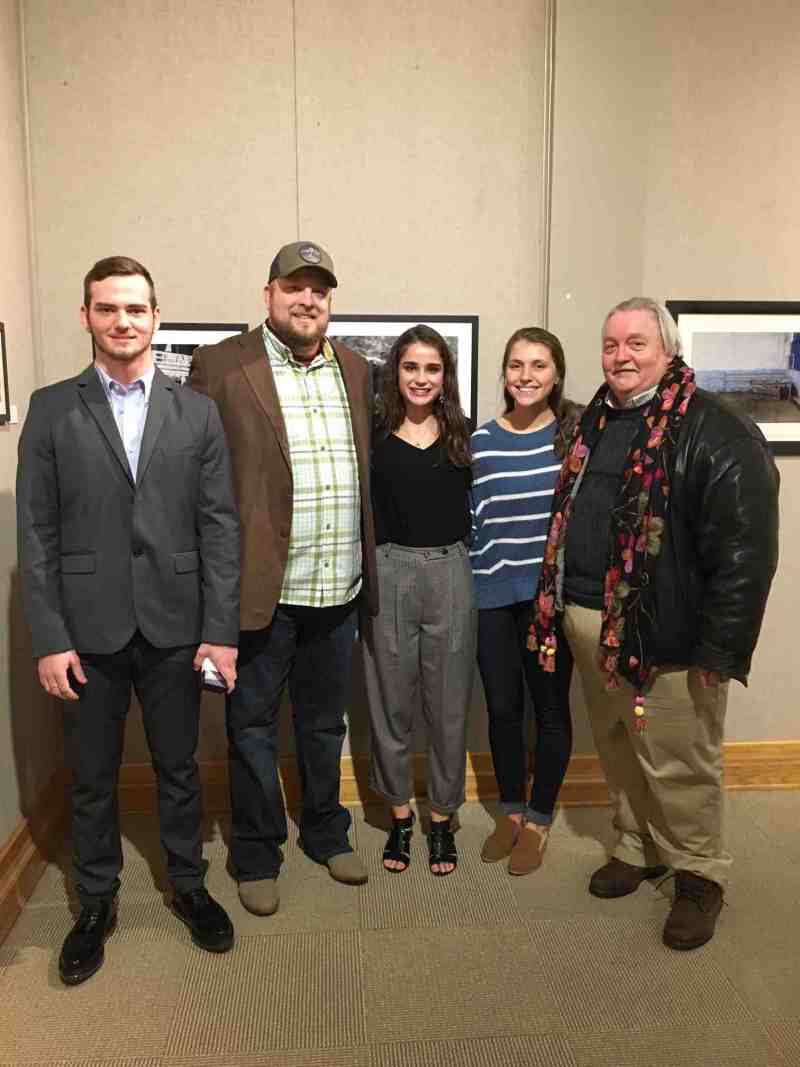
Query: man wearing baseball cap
[{"x": 295, "y": 408}]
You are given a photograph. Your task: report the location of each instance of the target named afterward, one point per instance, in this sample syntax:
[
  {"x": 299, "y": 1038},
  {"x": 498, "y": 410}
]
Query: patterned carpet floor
[{"x": 475, "y": 970}]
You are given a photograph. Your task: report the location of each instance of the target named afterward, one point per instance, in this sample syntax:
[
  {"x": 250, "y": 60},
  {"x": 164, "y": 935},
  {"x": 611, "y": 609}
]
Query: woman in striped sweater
[{"x": 515, "y": 462}]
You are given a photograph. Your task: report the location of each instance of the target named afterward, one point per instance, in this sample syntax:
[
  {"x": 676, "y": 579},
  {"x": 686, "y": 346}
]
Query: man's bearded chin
[{"x": 293, "y": 334}]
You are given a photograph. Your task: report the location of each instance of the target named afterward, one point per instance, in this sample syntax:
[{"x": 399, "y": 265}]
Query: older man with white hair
[{"x": 660, "y": 555}]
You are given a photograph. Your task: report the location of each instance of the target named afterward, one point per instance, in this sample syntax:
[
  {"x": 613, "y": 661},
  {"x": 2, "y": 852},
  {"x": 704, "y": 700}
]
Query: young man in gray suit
[{"x": 129, "y": 553}]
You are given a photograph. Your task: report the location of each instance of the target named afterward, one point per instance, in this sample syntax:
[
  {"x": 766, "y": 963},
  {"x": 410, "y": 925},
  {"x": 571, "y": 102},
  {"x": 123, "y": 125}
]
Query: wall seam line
[
  {"x": 547, "y": 156},
  {"x": 296, "y": 123},
  {"x": 33, "y": 259}
]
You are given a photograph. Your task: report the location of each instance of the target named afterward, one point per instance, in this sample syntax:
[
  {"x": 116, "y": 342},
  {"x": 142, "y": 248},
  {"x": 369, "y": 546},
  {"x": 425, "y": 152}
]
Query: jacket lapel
[
  {"x": 160, "y": 396},
  {"x": 255, "y": 364},
  {"x": 91, "y": 393}
]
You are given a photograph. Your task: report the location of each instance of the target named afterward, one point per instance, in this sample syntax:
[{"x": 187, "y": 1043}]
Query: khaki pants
[{"x": 666, "y": 783}]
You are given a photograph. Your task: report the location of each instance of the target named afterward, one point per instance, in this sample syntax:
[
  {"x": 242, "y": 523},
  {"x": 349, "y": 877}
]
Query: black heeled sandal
[
  {"x": 398, "y": 844},
  {"x": 442, "y": 847}
]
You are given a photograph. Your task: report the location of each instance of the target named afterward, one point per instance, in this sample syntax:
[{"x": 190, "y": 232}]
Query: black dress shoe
[
  {"x": 82, "y": 953},
  {"x": 618, "y": 878},
  {"x": 208, "y": 921}
]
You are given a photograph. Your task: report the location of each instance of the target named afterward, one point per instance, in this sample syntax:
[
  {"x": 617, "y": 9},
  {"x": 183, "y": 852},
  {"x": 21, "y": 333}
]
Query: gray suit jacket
[{"x": 101, "y": 555}]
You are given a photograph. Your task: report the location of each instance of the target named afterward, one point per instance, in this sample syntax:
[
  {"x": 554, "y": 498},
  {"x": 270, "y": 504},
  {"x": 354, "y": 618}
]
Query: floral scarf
[{"x": 637, "y": 527}]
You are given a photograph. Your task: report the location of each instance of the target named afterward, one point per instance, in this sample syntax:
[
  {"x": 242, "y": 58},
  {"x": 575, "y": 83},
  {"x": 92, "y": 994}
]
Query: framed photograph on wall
[
  {"x": 749, "y": 353},
  {"x": 373, "y": 336},
  {"x": 174, "y": 343},
  {"x": 5, "y": 402}
]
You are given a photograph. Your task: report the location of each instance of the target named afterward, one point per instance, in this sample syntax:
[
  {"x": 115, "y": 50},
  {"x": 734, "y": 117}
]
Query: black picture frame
[
  {"x": 174, "y": 343},
  {"x": 373, "y": 335},
  {"x": 749, "y": 352},
  {"x": 5, "y": 399}
]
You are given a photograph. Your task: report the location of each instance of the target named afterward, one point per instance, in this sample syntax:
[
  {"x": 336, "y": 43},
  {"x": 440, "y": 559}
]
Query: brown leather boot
[
  {"x": 698, "y": 902},
  {"x": 499, "y": 843},
  {"x": 618, "y": 878}
]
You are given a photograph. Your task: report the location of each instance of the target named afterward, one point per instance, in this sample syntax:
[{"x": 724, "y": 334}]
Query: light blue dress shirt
[{"x": 129, "y": 406}]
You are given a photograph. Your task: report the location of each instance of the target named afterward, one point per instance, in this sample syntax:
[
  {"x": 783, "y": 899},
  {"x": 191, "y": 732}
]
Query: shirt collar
[
  {"x": 145, "y": 380},
  {"x": 632, "y": 402},
  {"x": 281, "y": 353}
]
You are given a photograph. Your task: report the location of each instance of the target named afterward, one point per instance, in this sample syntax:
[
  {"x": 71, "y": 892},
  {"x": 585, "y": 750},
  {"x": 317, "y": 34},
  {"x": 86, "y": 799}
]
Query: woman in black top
[{"x": 421, "y": 646}]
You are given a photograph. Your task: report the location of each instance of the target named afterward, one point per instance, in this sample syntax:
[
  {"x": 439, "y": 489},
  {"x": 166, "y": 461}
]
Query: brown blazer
[{"x": 237, "y": 375}]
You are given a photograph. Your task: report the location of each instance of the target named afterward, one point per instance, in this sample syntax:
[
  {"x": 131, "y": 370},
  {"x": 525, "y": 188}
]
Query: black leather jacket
[{"x": 720, "y": 551}]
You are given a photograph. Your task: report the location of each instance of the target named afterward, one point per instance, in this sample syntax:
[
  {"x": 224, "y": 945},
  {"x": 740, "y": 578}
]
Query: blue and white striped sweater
[{"x": 513, "y": 477}]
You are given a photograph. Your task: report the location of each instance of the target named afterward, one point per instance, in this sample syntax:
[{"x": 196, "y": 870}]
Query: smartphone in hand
[{"x": 212, "y": 679}]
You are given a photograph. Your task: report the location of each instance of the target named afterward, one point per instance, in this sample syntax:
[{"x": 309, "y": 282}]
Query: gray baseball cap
[{"x": 302, "y": 255}]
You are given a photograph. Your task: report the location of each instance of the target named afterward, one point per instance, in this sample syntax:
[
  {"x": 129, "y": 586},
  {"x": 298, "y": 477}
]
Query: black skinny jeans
[{"x": 506, "y": 666}]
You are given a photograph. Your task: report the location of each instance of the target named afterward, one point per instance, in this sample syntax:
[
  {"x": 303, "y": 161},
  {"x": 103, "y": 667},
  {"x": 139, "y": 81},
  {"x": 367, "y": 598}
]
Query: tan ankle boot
[
  {"x": 528, "y": 851},
  {"x": 499, "y": 844}
]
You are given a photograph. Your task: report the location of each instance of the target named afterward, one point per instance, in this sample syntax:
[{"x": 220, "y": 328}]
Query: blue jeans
[{"x": 312, "y": 649}]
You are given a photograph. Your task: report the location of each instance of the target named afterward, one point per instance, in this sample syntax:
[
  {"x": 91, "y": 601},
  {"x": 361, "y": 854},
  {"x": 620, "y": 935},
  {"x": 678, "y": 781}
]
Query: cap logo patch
[{"x": 310, "y": 253}]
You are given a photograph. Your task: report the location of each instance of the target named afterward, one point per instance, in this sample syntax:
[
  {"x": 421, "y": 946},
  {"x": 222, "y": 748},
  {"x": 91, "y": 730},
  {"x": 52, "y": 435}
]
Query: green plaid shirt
[{"x": 324, "y": 566}]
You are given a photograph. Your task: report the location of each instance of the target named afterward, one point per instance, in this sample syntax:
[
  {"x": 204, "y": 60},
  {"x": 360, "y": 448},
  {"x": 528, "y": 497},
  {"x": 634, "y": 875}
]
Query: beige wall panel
[
  {"x": 420, "y": 143},
  {"x": 723, "y": 196},
  {"x": 602, "y": 101},
  {"x": 164, "y": 130},
  {"x": 29, "y": 722}
]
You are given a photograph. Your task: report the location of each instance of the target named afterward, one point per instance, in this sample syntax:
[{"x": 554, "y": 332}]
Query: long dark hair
[
  {"x": 567, "y": 412},
  {"x": 453, "y": 425}
]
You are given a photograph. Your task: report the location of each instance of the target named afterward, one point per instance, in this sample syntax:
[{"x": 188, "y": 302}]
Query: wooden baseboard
[
  {"x": 748, "y": 765},
  {"x": 762, "y": 765},
  {"x": 25, "y": 854}
]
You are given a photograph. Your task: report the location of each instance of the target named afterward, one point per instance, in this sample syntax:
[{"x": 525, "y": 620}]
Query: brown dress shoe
[
  {"x": 698, "y": 902},
  {"x": 500, "y": 842},
  {"x": 527, "y": 853},
  {"x": 617, "y": 878}
]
